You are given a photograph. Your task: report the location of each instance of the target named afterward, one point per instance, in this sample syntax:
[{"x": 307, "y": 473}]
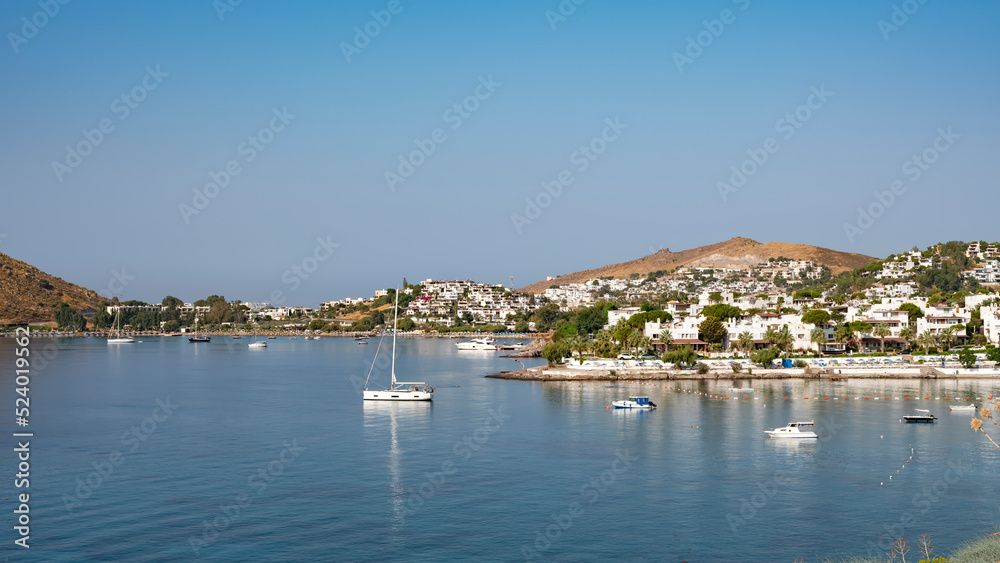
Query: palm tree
[
  {"x": 818, "y": 337},
  {"x": 641, "y": 341},
  {"x": 926, "y": 340},
  {"x": 745, "y": 342},
  {"x": 842, "y": 334},
  {"x": 881, "y": 331},
  {"x": 577, "y": 344},
  {"x": 771, "y": 336},
  {"x": 667, "y": 339},
  {"x": 785, "y": 339},
  {"x": 907, "y": 335},
  {"x": 948, "y": 335}
]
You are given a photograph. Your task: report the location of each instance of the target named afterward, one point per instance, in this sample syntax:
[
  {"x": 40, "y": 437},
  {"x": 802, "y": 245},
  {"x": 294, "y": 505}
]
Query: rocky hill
[
  {"x": 29, "y": 295},
  {"x": 737, "y": 252}
]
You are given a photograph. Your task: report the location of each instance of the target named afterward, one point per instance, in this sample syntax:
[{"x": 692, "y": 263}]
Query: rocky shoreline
[{"x": 563, "y": 373}]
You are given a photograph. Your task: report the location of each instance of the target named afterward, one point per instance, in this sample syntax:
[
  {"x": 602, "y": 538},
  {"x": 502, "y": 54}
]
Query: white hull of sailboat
[
  {"x": 123, "y": 340},
  {"x": 397, "y": 395},
  {"x": 260, "y": 344}
]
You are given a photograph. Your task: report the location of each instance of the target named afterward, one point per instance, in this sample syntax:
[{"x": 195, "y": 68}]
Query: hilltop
[
  {"x": 737, "y": 253},
  {"x": 29, "y": 295}
]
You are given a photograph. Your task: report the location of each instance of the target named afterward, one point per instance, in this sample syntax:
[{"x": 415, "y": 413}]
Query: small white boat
[
  {"x": 634, "y": 403},
  {"x": 741, "y": 389},
  {"x": 793, "y": 430},
  {"x": 963, "y": 408},
  {"x": 485, "y": 343},
  {"x": 258, "y": 344},
  {"x": 118, "y": 338}
]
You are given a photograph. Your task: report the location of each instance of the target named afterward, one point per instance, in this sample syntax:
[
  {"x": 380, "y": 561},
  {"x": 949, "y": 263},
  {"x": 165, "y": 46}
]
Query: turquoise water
[{"x": 271, "y": 455}]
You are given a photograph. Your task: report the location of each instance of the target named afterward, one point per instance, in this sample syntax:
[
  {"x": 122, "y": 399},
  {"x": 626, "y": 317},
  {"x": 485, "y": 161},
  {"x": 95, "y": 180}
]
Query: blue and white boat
[{"x": 634, "y": 403}]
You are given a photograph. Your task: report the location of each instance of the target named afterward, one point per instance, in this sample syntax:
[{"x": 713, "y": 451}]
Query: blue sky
[{"x": 329, "y": 128}]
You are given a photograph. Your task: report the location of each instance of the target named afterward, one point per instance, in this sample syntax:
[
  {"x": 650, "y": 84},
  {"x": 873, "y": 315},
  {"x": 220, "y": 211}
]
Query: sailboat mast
[{"x": 395, "y": 318}]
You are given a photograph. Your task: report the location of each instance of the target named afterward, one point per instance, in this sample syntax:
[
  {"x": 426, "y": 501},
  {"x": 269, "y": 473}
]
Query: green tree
[
  {"x": 818, "y": 337},
  {"x": 316, "y": 324},
  {"x": 667, "y": 339},
  {"x": 555, "y": 352},
  {"x": 858, "y": 330},
  {"x": 948, "y": 335},
  {"x": 578, "y": 344},
  {"x": 545, "y": 316},
  {"x": 722, "y": 311},
  {"x": 842, "y": 334},
  {"x": 712, "y": 330},
  {"x": 171, "y": 326},
  {"x": 591, "y": 319},
  {"x": 69, "y": 318},
  {"x": 685, "y": 356},
  {"x": 765, "y": 357},
  {"x": 171, "y": 302},
  {"x": 745, "y": 342},
  {"x": 816, "y": 317},
  {"x": 881, "y": 331},
  {"x": 967, "y": 358},
  {"x": 926, "y": 340},
  {"x": 913, "y": 312},
  {"x": 906, "y": 333},
  {"x": 521, "y": 326},
  {"x": 785, "y": 339},
  {"x": 993, "y": 354},
  {"x": 715, "y": 298}
]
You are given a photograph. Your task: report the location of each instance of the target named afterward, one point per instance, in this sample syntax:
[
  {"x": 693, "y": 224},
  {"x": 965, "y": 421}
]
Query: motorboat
[
  {"x": 485, "y": 343},
  {"x": 926, "y": 417},
  {"x": 397, "y": 390},
  {"x": 258, "y": 344},
  {"x": 634, "y": 403},
  {"x": 272, "y": 337},
  {"x": 963, "y": 408},
  {"x": 793, "y": 430},
  {"x": 198, "y": 337}
]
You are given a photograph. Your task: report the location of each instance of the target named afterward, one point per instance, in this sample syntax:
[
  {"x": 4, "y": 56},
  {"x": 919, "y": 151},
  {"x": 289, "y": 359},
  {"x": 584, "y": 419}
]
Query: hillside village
[{"x": 943, "y": 295}]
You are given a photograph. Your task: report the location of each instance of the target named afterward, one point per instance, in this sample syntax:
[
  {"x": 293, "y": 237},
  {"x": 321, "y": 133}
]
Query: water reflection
[{"x": 384, "y": 423}]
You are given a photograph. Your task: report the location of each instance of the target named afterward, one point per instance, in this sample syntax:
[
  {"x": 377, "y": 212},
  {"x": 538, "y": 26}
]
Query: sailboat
[
  {"x": 197, "y": 338},
  {"x": 257, "y": 343},
  {"x": 398, "y": 390},
  {"x": 118, "y": 338}
]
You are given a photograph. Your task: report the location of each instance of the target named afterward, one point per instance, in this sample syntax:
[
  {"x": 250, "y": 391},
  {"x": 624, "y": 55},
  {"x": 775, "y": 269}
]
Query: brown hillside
[
  {"x": 737, "y": 252},
  {"x": 29, "y": 295}
]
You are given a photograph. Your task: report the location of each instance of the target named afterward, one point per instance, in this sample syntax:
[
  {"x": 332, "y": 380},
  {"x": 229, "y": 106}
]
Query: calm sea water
[{"x": 170, "y": 451}]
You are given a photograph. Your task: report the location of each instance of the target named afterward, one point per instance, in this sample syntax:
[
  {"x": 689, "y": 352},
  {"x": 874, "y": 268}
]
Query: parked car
[{"x": 626, "y": 357}]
